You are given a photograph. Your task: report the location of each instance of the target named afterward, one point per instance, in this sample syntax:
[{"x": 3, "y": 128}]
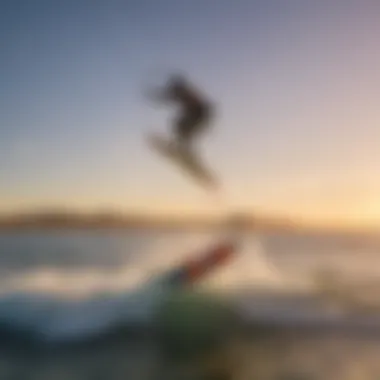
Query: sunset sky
[{"x": 296, "y": 85}]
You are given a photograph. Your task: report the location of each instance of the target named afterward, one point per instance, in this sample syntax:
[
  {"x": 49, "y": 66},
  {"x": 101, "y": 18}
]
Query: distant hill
[
  {"x": 58, "y": 219},
  {"x": 73, "y": 220}
]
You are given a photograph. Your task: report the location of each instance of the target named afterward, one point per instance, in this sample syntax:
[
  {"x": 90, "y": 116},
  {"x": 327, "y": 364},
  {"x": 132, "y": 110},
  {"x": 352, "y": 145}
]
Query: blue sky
[{"x": 296, "y": 86}]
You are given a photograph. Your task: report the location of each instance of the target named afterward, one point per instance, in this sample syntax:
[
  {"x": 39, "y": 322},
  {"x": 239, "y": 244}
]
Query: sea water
[
  {"x": 73, "y": 285},
  {"x": 64, "y": 278}
]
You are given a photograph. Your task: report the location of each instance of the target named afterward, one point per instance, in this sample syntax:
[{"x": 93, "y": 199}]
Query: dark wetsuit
[{"x": 195, "y": 112}]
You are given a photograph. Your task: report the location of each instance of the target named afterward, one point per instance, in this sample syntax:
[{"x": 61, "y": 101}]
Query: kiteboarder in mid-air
[
  {"x": 194, "y": 110},
  {"x": 194, "y": 117}
]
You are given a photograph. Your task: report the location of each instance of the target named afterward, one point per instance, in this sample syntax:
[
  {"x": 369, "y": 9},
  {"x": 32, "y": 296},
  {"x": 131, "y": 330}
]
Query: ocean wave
[{"x": 54, "y": 304}]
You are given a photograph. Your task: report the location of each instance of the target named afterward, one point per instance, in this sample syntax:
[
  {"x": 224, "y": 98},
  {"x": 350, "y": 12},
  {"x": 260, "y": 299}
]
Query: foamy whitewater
[{"x": 70, "y": 285}]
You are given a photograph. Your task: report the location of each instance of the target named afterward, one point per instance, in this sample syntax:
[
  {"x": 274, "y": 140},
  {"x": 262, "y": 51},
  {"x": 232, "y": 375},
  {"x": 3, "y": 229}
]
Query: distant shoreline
[
  {"x": 96, "y": 223},
  {"x": 50, "y": 221}
]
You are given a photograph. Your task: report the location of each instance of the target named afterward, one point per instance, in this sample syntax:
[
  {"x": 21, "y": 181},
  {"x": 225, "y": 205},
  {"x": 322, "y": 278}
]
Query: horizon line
[{"x": 249, "y": 216}]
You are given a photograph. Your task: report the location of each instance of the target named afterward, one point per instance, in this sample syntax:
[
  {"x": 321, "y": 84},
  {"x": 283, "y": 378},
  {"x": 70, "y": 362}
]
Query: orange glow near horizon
[{"x": 363, "y": 213}]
